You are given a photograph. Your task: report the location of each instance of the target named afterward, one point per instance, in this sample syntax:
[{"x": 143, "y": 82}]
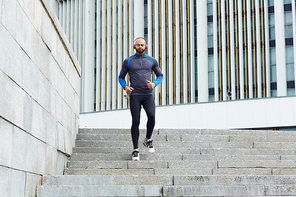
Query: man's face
[{"x": 140, "y": 46}]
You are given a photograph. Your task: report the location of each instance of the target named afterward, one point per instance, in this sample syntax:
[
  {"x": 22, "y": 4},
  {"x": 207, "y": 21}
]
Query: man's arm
[
  {"x": 158, "y": 73},
  {"x": 121, "y": 77}
]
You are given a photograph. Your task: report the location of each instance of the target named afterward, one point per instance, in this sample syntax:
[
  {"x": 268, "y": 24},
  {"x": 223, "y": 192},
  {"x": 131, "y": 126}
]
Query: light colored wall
[
  {"x": 238, "y": 114},
  {"x": 39, "y": 96}
]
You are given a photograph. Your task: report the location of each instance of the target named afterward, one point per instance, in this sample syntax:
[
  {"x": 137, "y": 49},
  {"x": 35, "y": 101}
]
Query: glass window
[
  {"x": 271, "y": 20},
  {"x": 211, "y": 79},
  {"x": 287, "y": 1},
  {"x": 210, "y": 42},
  {"x": 291, "y": 92},
  {"x": 272, "y": 56},
  {"x": 210, "y": 9},
  {"x": 290, "y": 72},
  {"x": 288, "y": 31},
  {"x": 288, "y": 18},
  {"x": 211, "y": 62},
  {"x": 270, "y": 3},
  {"x": 210, "y": 28},
  {"x": 289, "y": 55},
  {"x": 271, "y": 33},
  {"x": 273, "y": 73}
]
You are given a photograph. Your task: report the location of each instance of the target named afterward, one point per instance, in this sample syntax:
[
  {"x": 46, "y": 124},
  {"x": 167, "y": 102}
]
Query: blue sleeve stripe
[
  {"x": 130, "y": 60},
  {"x": 150, "y": 59},
  {"x": 122, "y": 82},
  {"x": 158, "y": 81}
]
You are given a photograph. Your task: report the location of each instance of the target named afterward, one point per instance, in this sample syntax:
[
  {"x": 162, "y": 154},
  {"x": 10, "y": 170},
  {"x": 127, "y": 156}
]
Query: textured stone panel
[
  {"x": 9, "y": 15},
  {"x": 51, "y": 161},
  {"x": 61, "y": 138},
  {"x": 38, "y": 16},
  {"x": 51, "y": 131},
  {"x": 4, "y": 180},
  {"x": 32, "y": 181},
  {"x": 0, "y": 10},
  {"x": 61, "y": 165},
  {"x": 16, "y": 183},
  {"x": 31, "y": 153},
  {"x": 19, "y": 150},
  {"x": 41, "y": 155},
  {"x": 6, "y": 143},
  {"x": 47, "y": 30}
]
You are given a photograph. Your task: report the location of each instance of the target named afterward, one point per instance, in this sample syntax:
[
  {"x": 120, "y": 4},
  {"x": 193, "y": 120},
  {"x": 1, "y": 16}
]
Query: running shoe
[
  {"x": 135, "y": 155},
  {"x": 149, "y": 146}
]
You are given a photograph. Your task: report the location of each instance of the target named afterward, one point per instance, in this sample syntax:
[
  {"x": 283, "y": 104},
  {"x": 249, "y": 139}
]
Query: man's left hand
[{"x": 150, "y": 85}]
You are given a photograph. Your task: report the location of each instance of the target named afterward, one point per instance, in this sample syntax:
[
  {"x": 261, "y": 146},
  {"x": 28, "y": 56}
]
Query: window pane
[
  {"x": 210, "y": 42},
  {"x": 270, "y": 2},
  {"x": 288, "y": 31},
  {"x": 272, "y": 56},
  {"x": 287, "y": 1},
  {"x": 210, "y": 28},
  {"x": 211, "y": 62},
  {"x": 289, "y": 55},
  {"x": 271, "y": 20},
  {"x": 271, "y": 33},
  {"x": 290, "y": 72},
  {"x": 291, "y": 92},
  {"x": 288, "y": 18},
  {"x": 211, "y": 79},
  {"x": 210, "y": 9},
  {"x": 273, "y": 73}
]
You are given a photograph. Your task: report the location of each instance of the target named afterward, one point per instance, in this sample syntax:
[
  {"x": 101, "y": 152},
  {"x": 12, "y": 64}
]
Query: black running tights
[{"x": 136, "y": 101}]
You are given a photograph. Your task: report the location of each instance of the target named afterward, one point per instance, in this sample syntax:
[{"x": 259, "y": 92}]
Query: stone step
[
  {"x": 238, "y": 190},
  {"x": 79, "y": 171},
  {"x": 99, "y": 190},
  {"x": 174, "y": 156},
  {"x": 245, "y": 151},
  {"x": 120, "y": 156},
  {"x": 108, "y": 180},
  {"x": 256, "y": 164},
  {"x": 190, "y": 131}
]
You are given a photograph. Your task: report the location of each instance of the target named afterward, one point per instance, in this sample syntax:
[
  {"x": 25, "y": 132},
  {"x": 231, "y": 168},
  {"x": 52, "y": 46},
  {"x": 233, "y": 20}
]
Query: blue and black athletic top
[{"x": 140, "y": 69}]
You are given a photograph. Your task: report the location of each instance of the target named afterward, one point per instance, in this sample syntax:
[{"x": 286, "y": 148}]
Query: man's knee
[{"x": 136, "y": 122}]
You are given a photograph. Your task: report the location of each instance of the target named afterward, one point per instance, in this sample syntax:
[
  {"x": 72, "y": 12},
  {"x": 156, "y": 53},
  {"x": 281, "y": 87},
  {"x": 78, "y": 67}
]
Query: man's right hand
[{"x": 128, "y": 89}]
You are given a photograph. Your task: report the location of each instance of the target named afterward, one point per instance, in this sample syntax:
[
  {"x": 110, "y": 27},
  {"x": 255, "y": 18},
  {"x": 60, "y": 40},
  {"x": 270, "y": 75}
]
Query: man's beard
[{"x": 140, "y": 52}]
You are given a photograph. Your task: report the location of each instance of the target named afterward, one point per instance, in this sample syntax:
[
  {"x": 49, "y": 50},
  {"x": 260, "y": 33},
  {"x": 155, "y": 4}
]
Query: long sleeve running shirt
[{"x": 140, "y": 69}]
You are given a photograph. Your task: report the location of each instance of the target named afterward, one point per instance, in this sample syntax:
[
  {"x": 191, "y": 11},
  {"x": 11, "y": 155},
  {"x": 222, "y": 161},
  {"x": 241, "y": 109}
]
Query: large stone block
[
  {"x": 32, "y": 181},
  {"x": 31, "y": 154},
  {"x": 6, "y": 143},
  {"x": 47, "y": 30},
  {"x": 4, "y": 181},
  {"x": 61, "y": 163},
  {"x": 41, "y": 155},
  {"x": 16, "y": 183},
  {"x": 51, "y": 131},
  {"x": 61, "y": 137},
  {"x": 0, "y": 11},
  {"x": 38, "y": 16},
  {"x": 51, "y": 159},
  {"x": 9, "y": 15},
  {"x": 19, "y": 151}
]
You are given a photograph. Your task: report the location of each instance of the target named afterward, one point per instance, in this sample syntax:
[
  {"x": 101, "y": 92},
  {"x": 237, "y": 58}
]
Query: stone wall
[{"x": 39, "y": 96}]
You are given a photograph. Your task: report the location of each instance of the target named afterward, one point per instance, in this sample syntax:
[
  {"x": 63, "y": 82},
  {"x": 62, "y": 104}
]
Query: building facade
[{"x": 208, "y": 50}]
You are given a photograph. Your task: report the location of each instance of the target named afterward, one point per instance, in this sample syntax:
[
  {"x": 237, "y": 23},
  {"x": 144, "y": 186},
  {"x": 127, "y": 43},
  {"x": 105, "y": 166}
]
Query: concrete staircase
[{"x": 186, "y": 163}]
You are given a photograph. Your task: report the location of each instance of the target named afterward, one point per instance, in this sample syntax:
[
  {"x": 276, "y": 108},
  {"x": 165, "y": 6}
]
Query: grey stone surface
[
  {"x": 78, "y": 171},
  {"x": 281, "y": 190},
  {"x": 242, "y": 171},
  {"x": 208, "y": 138},
  {"x": 16, "y": 183},
  {"x": 6, "y": 145},
  {"x": 32, "y": 181},
  {"x": 193, "y": 157},
  {"x": 9, "y": 15},
  {"x": 19, "y": 150},
  {"x": 257, "y": 164},
  {"x": 261, "y": 138},
  {"x": 106, "y": 190},
  {"x": 229, "y": 180},
  {"x": 98, "y": 164},
  {"x": 31, "y": 159},
  {"x": 244, "y": 151},
  {"x": 242, "y": 190},
  {"x": 194, "y": 164},
  {"x": 4, "y": 174},
  {"x": 147, "y": 164},
  {"x": 184, "y": 171},
  {"x": 284, "y": 171},
  {"x": 0, "y": 10},
  {"x": 120, "y": 156},
  {"x": 179, "y": 131}
]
